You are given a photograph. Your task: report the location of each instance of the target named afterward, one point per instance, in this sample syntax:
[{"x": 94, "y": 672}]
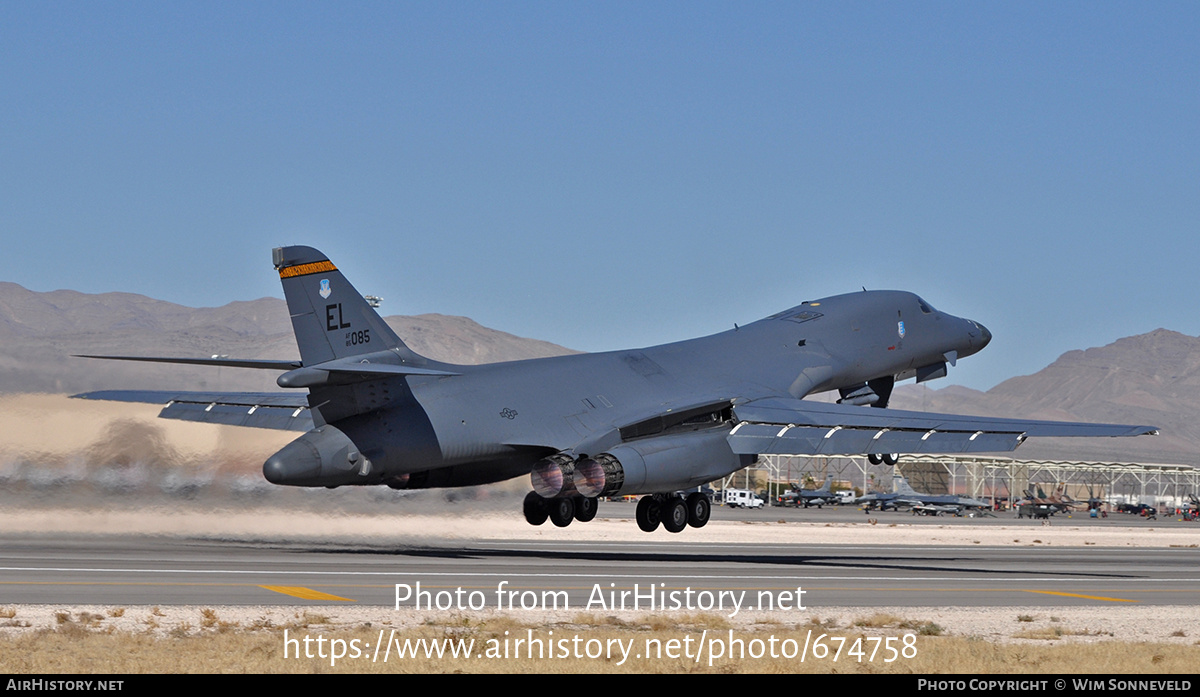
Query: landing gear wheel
[
  {"x": 874, "y": 459},
  {"x": 891, "y": 458},
  {"x": 649, "y": 514},
  {"x": 535, "y": 509},
  {"x": 585, "y": 508},
  {"x": 675, "y": 514},
  {"x": 562, "y": 511},
  {"x": 698, "y": 509}
]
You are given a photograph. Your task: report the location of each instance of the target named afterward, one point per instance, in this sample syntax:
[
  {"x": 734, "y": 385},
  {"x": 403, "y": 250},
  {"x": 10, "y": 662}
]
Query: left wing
[
  {"x": 783, "y": 426},
  {"x": 274, "y": 410}
]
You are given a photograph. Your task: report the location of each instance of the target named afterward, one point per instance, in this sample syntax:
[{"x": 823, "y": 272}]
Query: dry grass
[
  {"x": 207, "y": 640},
  {"x": 885, "y": 620},
  {"x": 73, "y": 647},
  {"x": 1054, "y": 631}
]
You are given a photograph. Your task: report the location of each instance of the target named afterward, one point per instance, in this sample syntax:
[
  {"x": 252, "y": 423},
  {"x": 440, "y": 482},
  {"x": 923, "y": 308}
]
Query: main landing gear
[
  {"x": 672, "y": 511},
  {"x": 560, "y": 511}
]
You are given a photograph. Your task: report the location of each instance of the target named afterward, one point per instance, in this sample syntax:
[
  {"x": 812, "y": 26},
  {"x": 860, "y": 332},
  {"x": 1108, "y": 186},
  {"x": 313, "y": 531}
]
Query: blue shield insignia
[
  {"x": 325, "y": 292},
  {"x": 900, "y": 327}
]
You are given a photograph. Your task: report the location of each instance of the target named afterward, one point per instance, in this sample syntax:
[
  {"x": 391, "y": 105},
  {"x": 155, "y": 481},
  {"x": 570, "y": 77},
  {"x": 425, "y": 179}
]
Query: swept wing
[
  {"x": 273, "y": 410},
  {"x": 781, "y": 426}
]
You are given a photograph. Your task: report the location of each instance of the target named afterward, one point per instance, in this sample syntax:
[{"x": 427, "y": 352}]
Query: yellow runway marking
[
  {"x": 1088, "y": 597},
  {"x": 305, "y": 593}
]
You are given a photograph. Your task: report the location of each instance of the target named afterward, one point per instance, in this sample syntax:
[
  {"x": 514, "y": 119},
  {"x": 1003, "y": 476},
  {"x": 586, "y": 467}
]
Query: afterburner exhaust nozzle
[{"x": 554, "y": 476}]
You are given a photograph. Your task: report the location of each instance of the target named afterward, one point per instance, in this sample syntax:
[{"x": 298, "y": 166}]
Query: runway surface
[{"x": 124, "y": 570}]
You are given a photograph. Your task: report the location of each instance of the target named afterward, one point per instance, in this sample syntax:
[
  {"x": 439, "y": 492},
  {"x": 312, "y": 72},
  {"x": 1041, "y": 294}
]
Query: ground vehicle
[{"x": 741, "y": 498}]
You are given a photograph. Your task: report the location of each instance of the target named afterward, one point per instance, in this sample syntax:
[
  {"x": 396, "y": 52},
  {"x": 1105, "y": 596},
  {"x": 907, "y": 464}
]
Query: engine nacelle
[{"x": 659, "y": 464}]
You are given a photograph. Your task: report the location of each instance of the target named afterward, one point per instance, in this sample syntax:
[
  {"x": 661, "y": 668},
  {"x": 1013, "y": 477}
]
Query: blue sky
[{"x": 607, "y": 175}]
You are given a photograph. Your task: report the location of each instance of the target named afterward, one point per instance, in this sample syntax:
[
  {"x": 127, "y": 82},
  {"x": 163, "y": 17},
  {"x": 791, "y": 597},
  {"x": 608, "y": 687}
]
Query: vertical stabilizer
[
  {"x": 900, "y": 484},
  {"x": 330, "y": 318}
]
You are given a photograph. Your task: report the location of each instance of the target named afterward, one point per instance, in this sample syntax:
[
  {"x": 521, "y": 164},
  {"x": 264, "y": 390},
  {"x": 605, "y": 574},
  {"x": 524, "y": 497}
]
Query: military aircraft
[
  {"x": 904, "y": 496},
  {"x": 799, "y": 496},
  {"x": 1041, "y": 503},
  {"x": 818, "y": 497},
  {"x": 651, "y": 421}
]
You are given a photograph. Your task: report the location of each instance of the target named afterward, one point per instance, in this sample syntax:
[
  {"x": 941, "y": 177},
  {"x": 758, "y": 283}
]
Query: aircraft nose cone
[{"x": 987, "y": 336}]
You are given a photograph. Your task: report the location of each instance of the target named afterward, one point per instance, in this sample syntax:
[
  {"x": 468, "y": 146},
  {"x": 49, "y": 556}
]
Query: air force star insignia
[{"x": 325, "y": 292}]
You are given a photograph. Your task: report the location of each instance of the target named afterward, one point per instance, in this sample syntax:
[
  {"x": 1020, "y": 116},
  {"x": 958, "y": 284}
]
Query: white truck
[{"x": 741, "y": 498}]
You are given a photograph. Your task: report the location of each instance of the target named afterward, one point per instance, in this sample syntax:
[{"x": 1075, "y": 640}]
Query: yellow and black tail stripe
[{"x": 307, "y": 269}]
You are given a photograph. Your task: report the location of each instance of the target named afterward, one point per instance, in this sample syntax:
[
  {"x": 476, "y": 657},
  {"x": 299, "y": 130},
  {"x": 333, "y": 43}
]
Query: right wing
[
  {"x": 275, "y": 410},
  {"x": 782, "y": 426}
]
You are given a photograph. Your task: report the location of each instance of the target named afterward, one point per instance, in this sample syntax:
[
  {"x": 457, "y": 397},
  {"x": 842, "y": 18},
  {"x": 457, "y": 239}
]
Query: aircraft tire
[
  {"x": 891, "y": 458},
  {"x": 674, "y": 514},
  {"x": 535, "y": 509},
  {"x": 562, "y": 511},
  {"x": 699, "y": 510},
  {"x": 649, "y": 514},
  {"x": 874, "y": 459},
  {"x": 585, "y": 508}
]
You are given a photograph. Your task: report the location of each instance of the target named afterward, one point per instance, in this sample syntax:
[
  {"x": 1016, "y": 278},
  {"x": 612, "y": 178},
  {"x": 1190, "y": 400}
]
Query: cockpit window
[
  {"x": 924, "y": 306},
  {"x": 796, "y": 314}
]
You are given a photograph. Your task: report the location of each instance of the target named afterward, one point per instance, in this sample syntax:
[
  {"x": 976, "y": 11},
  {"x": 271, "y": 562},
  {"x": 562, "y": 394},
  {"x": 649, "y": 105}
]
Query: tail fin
[
  {"x": 828, "y": 485},
  {"x": 900, "y": 484},
  {"x": 330, "y": 318}
]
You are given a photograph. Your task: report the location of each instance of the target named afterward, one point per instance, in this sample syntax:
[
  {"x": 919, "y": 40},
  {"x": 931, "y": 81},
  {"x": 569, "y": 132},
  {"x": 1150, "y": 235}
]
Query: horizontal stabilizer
[
  {"x": 221, "y": 362},
  {"x": 273, "y": 410}
]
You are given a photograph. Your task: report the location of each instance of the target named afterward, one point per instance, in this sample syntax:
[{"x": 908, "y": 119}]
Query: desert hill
[{"x": 39, "y": 332}]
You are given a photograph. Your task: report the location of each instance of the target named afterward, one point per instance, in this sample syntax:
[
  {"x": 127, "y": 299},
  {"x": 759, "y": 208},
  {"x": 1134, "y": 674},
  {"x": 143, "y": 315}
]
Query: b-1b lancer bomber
[{"x": 652, "y": 421}]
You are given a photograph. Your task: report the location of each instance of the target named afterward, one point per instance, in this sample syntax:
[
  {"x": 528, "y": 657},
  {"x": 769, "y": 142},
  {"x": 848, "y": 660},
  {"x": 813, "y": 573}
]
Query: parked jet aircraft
[
  {"x": 798, "y": 496},
  {"x": 905, "y": 496},
  {"x": 650, "y": 421},
  {"x": 818, "y": 497},
  {"x": 1041, "y": 506}
]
